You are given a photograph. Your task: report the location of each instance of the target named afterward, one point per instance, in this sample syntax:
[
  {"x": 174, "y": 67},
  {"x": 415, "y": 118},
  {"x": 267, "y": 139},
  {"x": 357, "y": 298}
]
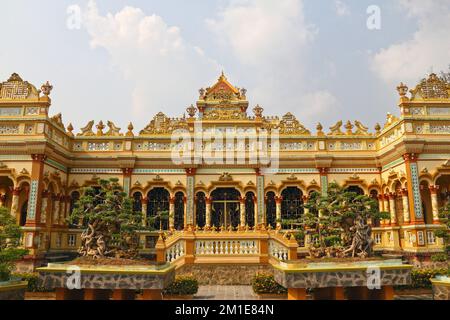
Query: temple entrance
[{"x": 225, "y": 208}]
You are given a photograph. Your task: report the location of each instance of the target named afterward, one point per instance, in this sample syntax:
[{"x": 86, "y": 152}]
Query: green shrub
[
  {"x": 182, "y": 286},
  {"x": 439, "y": 257},
  {"x": 33, "y": 281},
  {"x": 10, "y": 252},
  {"x": 265, "y": 284},
  {"x": 420, "y": 278}
]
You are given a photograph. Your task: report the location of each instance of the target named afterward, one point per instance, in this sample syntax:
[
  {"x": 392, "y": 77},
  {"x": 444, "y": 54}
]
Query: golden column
[
  {"x": 405, "y": 206},
  {"x": 386, "y": 207},
  {"x": 34, "y": 203},
  {"x": 305, "y": 200},
  {"x": 412, "y": 175},
  {"x": 278, "y": 200},
  {"x": 434, "y": 203},
  {"x": 208, "y": 212},
  {"x": 392, "y": 208},
  {"x": 242, "y": 211},
  {"x": 144, "y": 204},
  {"x": 15, "y": 202},
  {"x": 172, "y": 213}
]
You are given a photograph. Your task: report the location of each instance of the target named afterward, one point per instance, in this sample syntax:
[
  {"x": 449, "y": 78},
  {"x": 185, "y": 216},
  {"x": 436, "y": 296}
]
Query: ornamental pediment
[
  {"x": 222, "y": 90},
  {"x": 433, "y": 87},
  {"x": 17, "y": 89}
]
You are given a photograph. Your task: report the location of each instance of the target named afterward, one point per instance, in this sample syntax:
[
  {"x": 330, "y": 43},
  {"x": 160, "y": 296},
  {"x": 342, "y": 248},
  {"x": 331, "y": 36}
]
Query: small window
[
  {"x": 72, "y": 240},
  {"x": 58, "y": 240},
  {"x": 431, "y": 239}
]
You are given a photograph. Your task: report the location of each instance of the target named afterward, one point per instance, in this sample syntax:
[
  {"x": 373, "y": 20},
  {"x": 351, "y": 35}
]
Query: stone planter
[
  {"x": 329, "y": 279},
  {"x": 13, "y": 290},
  {"x": 178, "y": 297},
  {"x": 441, "y": 288},
  {"x": 96, "y": 282}
]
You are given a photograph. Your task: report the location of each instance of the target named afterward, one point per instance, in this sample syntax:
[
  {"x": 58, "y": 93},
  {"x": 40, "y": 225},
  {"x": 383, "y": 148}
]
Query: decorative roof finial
[
  {"x": 100, "y": 128},
  {"x": 319, "y": 128},
  {"x": 191, "y": 110},
  {"x": 46, "y": 88},
  {"x": 258, "y": 111},
  {"x": 130, "y": 130},
  {"x": 377, "y": 128},
  {"x": 402, "y": 89},
  {"x": 70, "y": 129}
]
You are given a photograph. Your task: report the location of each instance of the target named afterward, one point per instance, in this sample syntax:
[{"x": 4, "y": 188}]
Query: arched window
[
  {"x": 250, "y": 209},
  {"x": 291, "y": 205},
  {"x": 179, "y": 211},
  {"x": 200, "y": 210},
  {"x": 158, "y": 202},
  {"x": 137, "y": 201},
  {"x": 271, "y": 209},
  {"x": 355, "y": 189}
]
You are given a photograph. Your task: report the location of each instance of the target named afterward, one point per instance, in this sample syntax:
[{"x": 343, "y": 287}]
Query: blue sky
[{"x": 132, "y": 59}]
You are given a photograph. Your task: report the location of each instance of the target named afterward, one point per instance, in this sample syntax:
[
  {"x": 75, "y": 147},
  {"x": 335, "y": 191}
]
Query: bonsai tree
[
  {"x": 444, "y": 215},
  {"x": 10, "y": 252},
  {"x": 111, "y": 222},
  {"x": 338, "y": 223}
]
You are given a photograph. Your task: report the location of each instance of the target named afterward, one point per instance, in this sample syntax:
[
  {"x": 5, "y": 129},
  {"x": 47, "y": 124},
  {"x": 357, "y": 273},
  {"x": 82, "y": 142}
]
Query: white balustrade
[
  {"x": 278, "y": 251},
  {"x": 175, "y": 252},
  {"x": 226, "y": 247}
]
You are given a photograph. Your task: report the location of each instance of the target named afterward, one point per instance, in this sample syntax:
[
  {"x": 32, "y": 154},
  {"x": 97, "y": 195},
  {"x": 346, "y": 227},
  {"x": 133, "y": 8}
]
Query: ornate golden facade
[{"x": 404, "y": 162}]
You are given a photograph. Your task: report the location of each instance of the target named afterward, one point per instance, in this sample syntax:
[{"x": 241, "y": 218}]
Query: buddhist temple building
[{"x": 404, "y": 163}]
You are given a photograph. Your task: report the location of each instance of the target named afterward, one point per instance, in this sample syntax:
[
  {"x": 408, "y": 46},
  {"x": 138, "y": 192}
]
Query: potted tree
[
  {"x": 10, "y": 234},
  {"x": 110, "y": 221},
  {"x": 444, "y": 234},
  {"x": 183, "y": 288},
  {"x": 338, "y": 223}
]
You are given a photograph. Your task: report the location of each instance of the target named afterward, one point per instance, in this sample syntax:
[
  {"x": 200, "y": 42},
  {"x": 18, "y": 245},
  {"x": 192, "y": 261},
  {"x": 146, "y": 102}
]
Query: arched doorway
[
  {"x": 444, "y": 190},
  {"x": 200, "y": 209},
  {"x": 271, "y": 209},
  {"x": 137, "y": 202},
  {"x": 6, "y": 186},
  {"x": 250, "y": 209},
  {"x": 225, "y": 208},
  {"x": 23, "y": 214},
  {"x": 425, "y": 197},
  {"x": 179, "y": 211},
  {"x": 291, "y": 206},
  {"x": 158, "y": 202}
]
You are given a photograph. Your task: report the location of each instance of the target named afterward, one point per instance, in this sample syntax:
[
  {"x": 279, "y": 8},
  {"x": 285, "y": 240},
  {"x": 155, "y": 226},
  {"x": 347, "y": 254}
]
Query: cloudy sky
[{"x": 126, "y": 60}]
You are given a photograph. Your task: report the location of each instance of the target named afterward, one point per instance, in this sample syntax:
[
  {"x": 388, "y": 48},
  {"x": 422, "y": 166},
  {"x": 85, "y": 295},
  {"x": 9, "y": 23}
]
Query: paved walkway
[{"x": 225, "y": 293}]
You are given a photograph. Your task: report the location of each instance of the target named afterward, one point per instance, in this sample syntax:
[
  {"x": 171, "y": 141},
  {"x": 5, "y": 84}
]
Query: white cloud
[
  {"x": 270, "y": 41},
  {"x": 341, "y": 8},
  {"x": 317, "y": 103},
  {"x": 162, "y": 68},
  {"x": 410, "y": 60}
]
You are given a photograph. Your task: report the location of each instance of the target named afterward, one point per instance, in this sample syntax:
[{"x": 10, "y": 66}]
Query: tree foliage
[
  {"x": 338, "y": 223},
  {"x": 10, "y": 252},
  {"x": 444, "y": 216},
  {"x": 110, "y": 219}
]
